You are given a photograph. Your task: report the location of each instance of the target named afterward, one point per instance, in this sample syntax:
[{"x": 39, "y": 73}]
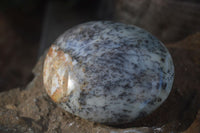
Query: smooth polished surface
[{"x": 108, "y": 72}]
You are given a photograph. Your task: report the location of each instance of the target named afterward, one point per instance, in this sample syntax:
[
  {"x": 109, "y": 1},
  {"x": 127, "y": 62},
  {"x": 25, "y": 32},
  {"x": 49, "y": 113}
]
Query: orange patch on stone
[
  {"x": 57, "y": 95},
  {"x": 55, "y": 60},
  {"x": 50, "y": 52}
]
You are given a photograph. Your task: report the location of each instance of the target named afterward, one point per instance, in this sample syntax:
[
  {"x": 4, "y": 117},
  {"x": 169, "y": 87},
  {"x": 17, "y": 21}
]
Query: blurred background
[{"x": 28, "y": 27}]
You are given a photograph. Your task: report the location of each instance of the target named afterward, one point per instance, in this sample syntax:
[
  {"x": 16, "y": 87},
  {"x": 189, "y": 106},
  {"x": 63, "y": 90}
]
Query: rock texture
[
  {"x": 108, "y": 72},
  {"x": 169, "y": 20},
  {"x": 31, "y": 110}
]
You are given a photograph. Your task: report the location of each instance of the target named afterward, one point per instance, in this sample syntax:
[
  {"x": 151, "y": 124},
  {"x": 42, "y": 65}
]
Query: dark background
[{"x": 28, "y": 27}]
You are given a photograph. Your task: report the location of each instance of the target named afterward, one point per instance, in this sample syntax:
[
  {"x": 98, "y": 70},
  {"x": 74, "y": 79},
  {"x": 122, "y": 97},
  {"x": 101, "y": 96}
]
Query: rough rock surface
[
  {"x": 31, "y": 110},
  {"x": 169, "y": 20}
]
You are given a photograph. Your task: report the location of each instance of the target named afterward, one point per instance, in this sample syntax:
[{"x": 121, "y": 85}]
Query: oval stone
[{"x": 108, "y": 72}]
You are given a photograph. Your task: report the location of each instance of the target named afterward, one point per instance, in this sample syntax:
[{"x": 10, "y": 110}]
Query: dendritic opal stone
[{"x": 108, "y": 72}]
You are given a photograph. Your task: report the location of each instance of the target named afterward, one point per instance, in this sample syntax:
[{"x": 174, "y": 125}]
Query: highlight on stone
[{"x": 108, "y": 72}]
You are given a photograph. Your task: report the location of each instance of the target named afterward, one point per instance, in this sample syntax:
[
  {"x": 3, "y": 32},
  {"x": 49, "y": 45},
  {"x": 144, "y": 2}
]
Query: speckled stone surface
[{"x": 108, "y": 72}]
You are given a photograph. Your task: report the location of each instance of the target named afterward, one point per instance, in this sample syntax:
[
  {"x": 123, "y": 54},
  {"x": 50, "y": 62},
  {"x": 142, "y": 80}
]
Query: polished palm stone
[{"x": 108, "y": 72}]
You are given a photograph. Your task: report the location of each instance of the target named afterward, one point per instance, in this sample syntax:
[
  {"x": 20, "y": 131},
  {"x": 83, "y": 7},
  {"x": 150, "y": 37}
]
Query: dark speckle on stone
[
  {"x": 164, "y": 85},
  {"x": 142, "y": 114},
  {"x": 162, "y": 59}
]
